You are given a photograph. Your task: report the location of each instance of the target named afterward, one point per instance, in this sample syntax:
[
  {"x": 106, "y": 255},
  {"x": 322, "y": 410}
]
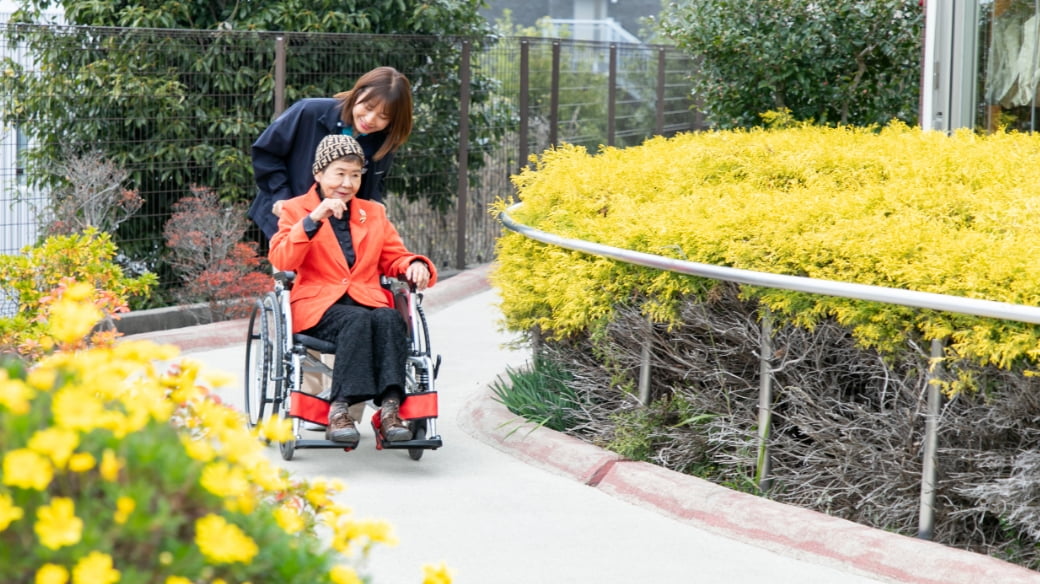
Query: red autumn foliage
[{"x": 204, "y": 239}]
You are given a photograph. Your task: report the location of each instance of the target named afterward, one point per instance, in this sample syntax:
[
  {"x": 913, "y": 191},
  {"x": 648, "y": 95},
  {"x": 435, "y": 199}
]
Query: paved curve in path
[{"x": 503, "y": 503}]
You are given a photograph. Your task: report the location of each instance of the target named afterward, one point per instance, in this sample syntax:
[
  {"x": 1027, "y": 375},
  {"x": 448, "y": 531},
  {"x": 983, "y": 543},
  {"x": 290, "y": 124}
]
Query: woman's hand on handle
[{"x": 418, "y": 273}]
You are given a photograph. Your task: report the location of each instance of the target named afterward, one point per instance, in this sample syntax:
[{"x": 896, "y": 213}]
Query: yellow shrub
[
  {"x": 115, "y": 470},
  {"x": 895, "y": 207}
]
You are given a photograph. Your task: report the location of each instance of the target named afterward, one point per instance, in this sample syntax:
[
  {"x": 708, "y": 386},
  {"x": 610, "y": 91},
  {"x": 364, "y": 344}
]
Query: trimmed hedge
[{"x": 895, "y": 207}]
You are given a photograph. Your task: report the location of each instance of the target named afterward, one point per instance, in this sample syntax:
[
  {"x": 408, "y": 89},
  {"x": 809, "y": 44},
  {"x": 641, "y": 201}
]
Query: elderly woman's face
[
  {"x": 341, "y": 179},
  {"x": 370, "y": 116}
]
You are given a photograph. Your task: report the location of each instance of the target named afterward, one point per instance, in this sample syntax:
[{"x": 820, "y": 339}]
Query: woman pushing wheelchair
[{"x": 339, "y": 246}]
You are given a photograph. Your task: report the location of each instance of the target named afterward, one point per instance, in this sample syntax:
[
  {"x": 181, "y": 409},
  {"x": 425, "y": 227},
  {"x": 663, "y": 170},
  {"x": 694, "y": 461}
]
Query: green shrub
[
  {"x": 539, "y": 394},
  {"x": 839, "y": 62}
]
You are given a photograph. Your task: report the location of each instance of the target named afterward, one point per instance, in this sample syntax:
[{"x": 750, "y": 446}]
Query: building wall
[{"x": 628, "y": 13}]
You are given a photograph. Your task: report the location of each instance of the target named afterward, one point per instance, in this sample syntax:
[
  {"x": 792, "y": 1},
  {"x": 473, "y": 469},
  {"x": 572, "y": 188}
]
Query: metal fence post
[
  {"x": 765, "y": 401},
  {"x": 926, "y": 519},
  {"x": 554, "y": 95},
  {"x": 463, "y": 177},
  {"x": 525, "y": 50},
  {"x": 612, "y": 95},
  {"x": 279, "y": 76},
  {"x": 659, "y": 118}
]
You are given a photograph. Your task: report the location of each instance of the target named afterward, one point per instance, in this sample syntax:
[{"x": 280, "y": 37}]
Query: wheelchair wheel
[
  {"x": 263, "y": 356},
  {"x": 418, "y": 428}
]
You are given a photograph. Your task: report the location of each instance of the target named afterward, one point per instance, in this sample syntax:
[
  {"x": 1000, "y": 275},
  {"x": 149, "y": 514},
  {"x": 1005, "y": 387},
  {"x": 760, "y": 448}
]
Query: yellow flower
[
  {"x": 42, "y": 378},
  {"x": 124, "y": 507},
  {"x": 57, "y": 524},
  {"x": 319, "y": 493},
  {"x": 77, "y": 409},
  {"x": 344, "y": 575},
  {"x": 199, "y": 449},
  {"x": 110, "y": 466},
  {"x": 81, "y": 462},
  {"x": 79, "y": 292},
  {"x": 436, "y": 574},
  {"x": 224, "y": 480},
  {"x": 288, "y": 519},
  {"x": 51, "y": 574},
  {"x": 69, "y": 321},
  {"x": 9, "y": 513},
  {"x": 364, "y": 532},
  {"x": 223, "y": 543},
  {"x": 57, "y": 443},
  {"x": 217, "y": 378},
  {"x": 28, "y": 470},
  {"x": 177, "y": 580},
  {"x": 268, "y": 477},
  {"x": 144, "y": 351},
  {"x": 276, "y": 429},
  {"x": 95, "y": 568},
  {"x": 15, "y": 395}
]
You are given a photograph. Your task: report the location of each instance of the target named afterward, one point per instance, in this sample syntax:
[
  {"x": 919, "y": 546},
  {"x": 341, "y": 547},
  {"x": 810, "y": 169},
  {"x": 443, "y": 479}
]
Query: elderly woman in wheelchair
[{"x": 339, "y": 247}]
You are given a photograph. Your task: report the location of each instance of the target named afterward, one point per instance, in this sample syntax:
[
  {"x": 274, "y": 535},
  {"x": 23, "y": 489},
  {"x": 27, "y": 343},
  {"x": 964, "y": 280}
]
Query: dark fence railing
[{"x": 200, "y": 98}]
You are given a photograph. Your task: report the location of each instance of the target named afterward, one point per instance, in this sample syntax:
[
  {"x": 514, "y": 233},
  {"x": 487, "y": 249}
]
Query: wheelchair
[{"x": 276, "y": 360}]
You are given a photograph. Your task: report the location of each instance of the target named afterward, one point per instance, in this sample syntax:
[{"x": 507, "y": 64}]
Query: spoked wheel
[
  {"x": 418, "y": 428},
  {"x": 263, "y": 356}
]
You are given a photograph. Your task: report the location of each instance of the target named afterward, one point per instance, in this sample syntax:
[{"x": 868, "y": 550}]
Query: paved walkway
[{"x": 503, "y": 502}]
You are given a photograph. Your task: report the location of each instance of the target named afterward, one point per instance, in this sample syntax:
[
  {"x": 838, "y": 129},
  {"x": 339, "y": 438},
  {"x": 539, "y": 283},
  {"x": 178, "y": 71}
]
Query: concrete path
[{"x": 505, "y": 503}]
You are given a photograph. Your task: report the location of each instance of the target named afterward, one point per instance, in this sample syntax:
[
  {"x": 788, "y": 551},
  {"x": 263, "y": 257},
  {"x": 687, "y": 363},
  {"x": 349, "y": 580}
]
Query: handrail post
[
  {"x": 763, "y": 467},
  {"x": 926, "y": 519},
  {"x": 644, "y": 366}
]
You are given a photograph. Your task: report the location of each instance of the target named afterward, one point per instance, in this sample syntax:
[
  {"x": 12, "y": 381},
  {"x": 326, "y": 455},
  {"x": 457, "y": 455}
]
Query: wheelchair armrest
[
  {"x": 398, "y": 285},
  {"x": 285, "y": 277}
]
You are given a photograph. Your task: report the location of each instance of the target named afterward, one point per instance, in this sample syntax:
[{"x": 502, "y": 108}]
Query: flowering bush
[
  {"x": 38, "y": 278},
  {"x": 115, "y": 470}
]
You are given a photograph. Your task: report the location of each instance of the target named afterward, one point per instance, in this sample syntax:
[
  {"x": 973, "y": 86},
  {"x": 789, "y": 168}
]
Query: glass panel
[{"x": 1009, "y": 68}]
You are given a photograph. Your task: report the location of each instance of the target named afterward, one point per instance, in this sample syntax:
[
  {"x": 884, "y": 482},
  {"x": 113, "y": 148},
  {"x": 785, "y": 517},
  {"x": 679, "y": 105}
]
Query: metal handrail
[{"x": 926, "y": 300}]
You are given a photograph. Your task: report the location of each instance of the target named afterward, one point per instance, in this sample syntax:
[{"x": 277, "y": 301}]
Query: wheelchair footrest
[
  {"x": 321, "y": 444},
  {"x": 429, "y": 444}
]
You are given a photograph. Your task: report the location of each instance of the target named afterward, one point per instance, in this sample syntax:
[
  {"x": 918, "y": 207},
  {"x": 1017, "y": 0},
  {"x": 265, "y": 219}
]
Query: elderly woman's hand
[{"x": 418, "y": 273}]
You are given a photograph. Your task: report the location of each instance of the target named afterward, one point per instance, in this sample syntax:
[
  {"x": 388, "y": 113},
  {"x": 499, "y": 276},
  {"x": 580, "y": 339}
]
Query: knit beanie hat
[{"x": 332, "y": 148}]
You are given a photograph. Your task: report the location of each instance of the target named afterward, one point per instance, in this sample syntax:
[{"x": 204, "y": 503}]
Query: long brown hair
[{"x": 391, "y": 88}]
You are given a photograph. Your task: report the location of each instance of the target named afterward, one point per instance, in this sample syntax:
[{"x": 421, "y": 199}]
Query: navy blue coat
[{"x": 284, "y": 153}]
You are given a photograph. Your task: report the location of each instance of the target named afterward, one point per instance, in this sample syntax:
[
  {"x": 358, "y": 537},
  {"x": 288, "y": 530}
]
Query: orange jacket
[{"x": 322, "y": 275}]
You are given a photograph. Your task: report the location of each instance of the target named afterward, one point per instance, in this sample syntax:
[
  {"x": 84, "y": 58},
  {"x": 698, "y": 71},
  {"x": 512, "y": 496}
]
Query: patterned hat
[{"x": 332, "y": 148}]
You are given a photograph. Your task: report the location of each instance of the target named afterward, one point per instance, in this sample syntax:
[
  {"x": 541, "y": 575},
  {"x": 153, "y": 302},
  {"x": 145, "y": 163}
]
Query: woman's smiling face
[
  {"x": 370, "y": 116},
  {"x": 341, "y": 179}
]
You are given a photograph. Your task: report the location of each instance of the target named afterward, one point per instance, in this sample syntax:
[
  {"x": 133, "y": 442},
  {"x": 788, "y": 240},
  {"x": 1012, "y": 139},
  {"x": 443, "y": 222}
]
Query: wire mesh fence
[{"x": 177, "y": 110}]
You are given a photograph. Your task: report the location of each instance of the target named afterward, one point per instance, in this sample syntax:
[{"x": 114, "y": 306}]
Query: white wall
[{"x": 17, "y": 202}]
